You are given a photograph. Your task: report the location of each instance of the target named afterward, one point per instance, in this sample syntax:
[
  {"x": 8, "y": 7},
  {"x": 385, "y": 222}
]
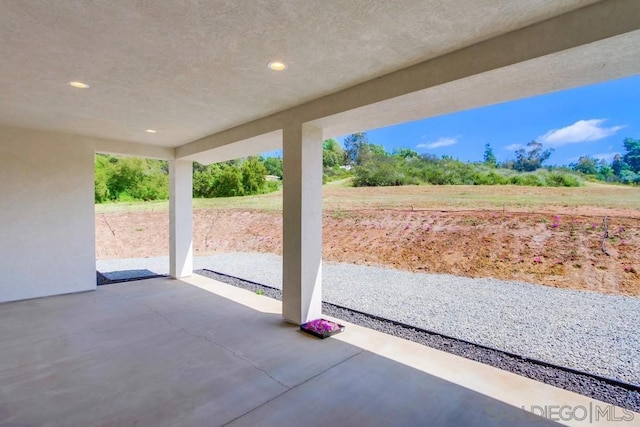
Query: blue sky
[{"x": 589, "y": 120}]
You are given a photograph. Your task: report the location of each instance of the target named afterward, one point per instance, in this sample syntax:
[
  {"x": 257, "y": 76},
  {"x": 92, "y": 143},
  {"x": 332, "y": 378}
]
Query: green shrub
[
  {"x": 132, "y": 179},
  {"x": 129, "y": 179},
  {"x": 562, "y": 179},
  {"x": 102, "y": 172},
  {"x": 492, "y": 178},
  {"x": 527, "y": 179},
  {"x": 229, "y": 183},
  {"x": 379, "y": 171},
  {"x": 203, "y": 183},
  {"x": 396, "y": 170},
  {"x": 253, "y": 172},
  {"x": 270, "y": 187},
  {"x": 335, "y": 173}
]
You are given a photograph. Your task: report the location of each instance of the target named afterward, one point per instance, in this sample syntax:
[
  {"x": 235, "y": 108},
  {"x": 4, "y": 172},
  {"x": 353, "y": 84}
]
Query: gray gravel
[{"x": 588, "y": 331}]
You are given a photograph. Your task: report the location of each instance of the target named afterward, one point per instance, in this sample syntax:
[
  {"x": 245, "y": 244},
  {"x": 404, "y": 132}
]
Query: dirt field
[{"x": 556, "y": 244}]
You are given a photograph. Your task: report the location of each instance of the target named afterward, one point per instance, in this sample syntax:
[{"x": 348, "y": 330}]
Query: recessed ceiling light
[
  {"x": 79, "y": 85},
  {"x": 151, "y": 131},
  {"x": 277, "y": 65}
]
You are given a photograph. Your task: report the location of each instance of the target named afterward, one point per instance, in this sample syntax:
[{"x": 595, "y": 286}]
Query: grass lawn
[{"x": 339, "y": 196}]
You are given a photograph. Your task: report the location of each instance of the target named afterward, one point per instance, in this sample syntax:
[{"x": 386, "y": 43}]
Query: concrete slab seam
[
  {"x": 210, "y": 341},
  {"x": 295, "y": 386}
]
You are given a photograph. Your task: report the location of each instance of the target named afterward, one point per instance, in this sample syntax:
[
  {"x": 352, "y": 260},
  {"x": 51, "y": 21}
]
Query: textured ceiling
[{"x": 194, "y": 68}]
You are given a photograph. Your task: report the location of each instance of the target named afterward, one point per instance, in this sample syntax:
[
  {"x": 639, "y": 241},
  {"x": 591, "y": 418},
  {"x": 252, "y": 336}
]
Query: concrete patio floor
[{"x": 193, "y": 352}]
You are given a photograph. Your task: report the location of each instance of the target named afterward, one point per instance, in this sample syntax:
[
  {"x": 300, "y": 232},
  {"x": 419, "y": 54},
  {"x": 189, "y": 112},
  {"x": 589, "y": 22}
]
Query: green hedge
[{"x": 395, "y": 170}]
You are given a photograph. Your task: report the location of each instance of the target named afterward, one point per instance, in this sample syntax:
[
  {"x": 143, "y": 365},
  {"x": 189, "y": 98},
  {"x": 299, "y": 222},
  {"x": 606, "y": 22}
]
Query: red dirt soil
[{"x": 561, "y": 250}]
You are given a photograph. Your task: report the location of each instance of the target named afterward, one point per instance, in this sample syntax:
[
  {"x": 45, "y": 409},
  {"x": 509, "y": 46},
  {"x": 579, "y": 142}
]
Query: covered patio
[
  {"x": 195, "y": 351},
  {"x": 189, "y": 82}
]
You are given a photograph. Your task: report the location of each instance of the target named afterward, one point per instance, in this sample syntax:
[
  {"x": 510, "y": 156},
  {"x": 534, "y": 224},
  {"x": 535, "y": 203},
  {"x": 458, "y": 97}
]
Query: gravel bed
[
  {"x": 587, "y": 331},
  {"x": 583, "y": 384}
]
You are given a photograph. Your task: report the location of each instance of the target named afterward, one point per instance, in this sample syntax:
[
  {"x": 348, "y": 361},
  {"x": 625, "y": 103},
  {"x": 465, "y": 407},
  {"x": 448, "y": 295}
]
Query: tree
[
  {"x": 489, "y": 158},
  {"x": 619, "y": 165},
  {"x": 354, "y": 145},
  {"x": 130, "y": 178},
  {"x": 405, "y": 153},
  {"x": 632, "y": 156},
  {"x": 204, "y": 180},
  {"x": 103, "y": 169},
  {"x": 199, "y": 167},
  {"x": 605, "y": 172},
  {"x": 332, "y": 153},
  {"x": 629, "y": 177},
  {"x": 332, "y": 145},
  {"x": 229, "y": 182},
  {"x": 531, "y": 157},
  {"x": 273, "y": 165},
  {"x": 127, "y": 175},
  {"x": 331, "y": 159},
  {"x": 253, "y": 173},
  {"x": 377, "y": 150},
  {"x": 586, "y": 165}
]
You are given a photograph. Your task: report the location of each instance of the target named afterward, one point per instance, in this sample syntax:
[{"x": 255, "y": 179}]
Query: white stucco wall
[{"x": 47, "y": 238}]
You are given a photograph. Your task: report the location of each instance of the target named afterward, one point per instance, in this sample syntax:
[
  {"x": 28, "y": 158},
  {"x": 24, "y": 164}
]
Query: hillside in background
[{"x": 549, "y": 236}]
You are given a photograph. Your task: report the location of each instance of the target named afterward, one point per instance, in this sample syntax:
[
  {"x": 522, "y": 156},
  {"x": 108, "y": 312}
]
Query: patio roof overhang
[{"x": 197, "y": 73}]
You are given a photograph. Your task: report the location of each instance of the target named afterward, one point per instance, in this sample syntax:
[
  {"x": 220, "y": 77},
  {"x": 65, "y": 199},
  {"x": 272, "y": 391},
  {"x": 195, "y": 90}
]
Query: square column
[
  {"x": 180, "y": 218},
  {"x": 302, "y": 224}
]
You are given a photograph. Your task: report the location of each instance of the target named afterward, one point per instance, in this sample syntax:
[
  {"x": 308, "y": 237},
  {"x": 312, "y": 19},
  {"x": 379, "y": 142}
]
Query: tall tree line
[{"x": 129, "y": 179}]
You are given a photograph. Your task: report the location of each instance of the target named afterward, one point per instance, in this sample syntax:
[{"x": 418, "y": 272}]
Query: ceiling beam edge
[
  {"x": 124, "y": 148},
  {"x": 589, "y": 24}
]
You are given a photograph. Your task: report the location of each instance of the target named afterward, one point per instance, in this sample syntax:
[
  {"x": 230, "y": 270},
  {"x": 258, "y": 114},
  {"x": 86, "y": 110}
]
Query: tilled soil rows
[{"x": 560, "y": 250}]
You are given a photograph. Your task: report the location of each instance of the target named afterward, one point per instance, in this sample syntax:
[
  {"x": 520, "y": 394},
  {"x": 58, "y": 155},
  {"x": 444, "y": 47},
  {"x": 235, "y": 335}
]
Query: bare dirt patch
[{"x": 561, "y": 249}]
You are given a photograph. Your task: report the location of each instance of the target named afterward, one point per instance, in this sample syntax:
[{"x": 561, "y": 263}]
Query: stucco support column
[
  {"x": 180, "y": 218},
  {"x": 302, "y": 223}
]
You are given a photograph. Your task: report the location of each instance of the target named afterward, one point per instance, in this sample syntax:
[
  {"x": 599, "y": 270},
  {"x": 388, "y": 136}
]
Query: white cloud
[
  {"x": 580, "y": 131},
  {"x": 513, "y": 147},
  {"x": 442, "y": 142}
]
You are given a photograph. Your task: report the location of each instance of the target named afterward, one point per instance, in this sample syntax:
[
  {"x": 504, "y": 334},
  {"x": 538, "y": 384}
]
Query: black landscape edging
[{"x": 102, "y": 280}]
